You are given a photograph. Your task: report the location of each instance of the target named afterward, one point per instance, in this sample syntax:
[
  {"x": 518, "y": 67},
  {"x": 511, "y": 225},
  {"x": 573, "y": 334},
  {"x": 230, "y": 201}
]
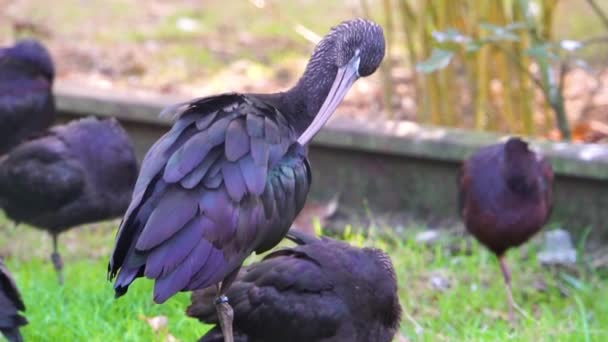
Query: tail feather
[{"x": 12, "y": 335}]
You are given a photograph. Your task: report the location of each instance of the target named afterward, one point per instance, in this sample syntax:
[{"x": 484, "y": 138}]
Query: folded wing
[{"x": 226, "y": 180}]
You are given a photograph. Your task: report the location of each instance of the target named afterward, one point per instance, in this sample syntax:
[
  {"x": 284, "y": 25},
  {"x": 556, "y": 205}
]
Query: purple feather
[
  {"x": 195, "y": 177},
  {"x": 167, "y": 256},
  {"x": 213, "y": 182},
  {"x": 268, "y": 200},
  {"x": 216, "y": 264},
  {"x": 177, "y": 280},
  {"x": 255, "y": 126},
  {"x": 237, "y": 140},
  {"x": 126, "y": 276},
  {"x": 155, "y": 159},
  {"x": 186, "y": 158},
  {"x": 234, "y": 181},
  {"x": 277, "y": 152},
  {"x": 259, "y": 151},
  {"x": 217, "y": 131},
  {"x": 206, "y": 120},
  {"x": 174, "y": 210},
  {"x": 271, "y": 131},
  {"x": 219, "y": 208},
  {"x": 255, "y": 176},
  {"x": 302, "y": 184}
]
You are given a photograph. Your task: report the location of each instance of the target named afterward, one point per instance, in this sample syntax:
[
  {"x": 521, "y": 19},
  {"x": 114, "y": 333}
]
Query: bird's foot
[
  {"x": 58, "y": 264},
  {"x": 225, "y": 315},
  {"x": 516, "y": 308}
]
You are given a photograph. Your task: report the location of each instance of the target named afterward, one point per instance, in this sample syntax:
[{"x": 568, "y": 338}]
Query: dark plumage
[
  {"x": 321, "y": 290},
  {"x": 26, "y": 100},
  {"x": 73, "y": 174},
  {"x": 10, "y": 305},
  {"x": 505, "y": 197},
  {"x": 232, "y": 174}
]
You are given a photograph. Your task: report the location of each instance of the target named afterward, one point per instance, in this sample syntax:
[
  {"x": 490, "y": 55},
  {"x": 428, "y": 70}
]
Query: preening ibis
[
  {"x": 26, "y": 100},
  {"x": 505, "y": 198},
  {"x": 10, "y": 305},
  {"x": 231, "y": 175},
  {"x": 320, "y": 290},
  {"x": 73, "y": 174}
]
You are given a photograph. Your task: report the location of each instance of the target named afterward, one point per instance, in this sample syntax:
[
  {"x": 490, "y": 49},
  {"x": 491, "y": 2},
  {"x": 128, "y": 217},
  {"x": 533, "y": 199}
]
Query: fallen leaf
[
  {"x": 160, "y": 326},
  {"x": 157, "y": 322}
]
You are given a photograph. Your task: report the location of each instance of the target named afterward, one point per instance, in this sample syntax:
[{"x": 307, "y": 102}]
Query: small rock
[
  {"x": 558, "y": 249},
  {"x": 427, "y": 237},
  {"x": 540, "y": 285},
  {"x": 439, "y": 282}
]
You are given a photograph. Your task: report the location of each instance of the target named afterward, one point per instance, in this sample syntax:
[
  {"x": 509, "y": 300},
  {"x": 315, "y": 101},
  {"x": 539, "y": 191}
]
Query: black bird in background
[
  {"x": 10, "y": 305},
  {"x": 26, "y": 99},
  {"x": 506, "y": 196},
  {"x": 231, "y": 175},
  {"x": 321, "y": 290},
  {"x": 77, "y": 173}
]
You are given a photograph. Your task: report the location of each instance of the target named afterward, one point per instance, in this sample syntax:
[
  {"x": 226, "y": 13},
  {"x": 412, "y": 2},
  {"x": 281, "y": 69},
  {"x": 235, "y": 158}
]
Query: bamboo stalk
[
  {"x": 365, "y": 8},
  {"x": 481, "y": 98},
  {"x": 386, "y": 67},
  {"x": 550, "y": 89},
  {"x": 443, "y": 76},
  {"x": 504, "y": 71},
  {"x": 432, "y": 97},
  {"x": 599, "y": 12},
  {"x": 525, "y": 91},
  {"x": 409, "y": 27}
]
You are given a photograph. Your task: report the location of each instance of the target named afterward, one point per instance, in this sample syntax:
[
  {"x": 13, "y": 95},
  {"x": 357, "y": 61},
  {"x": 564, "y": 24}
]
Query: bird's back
[
  {"x": 10, "y": 305},
  {"x": 77, "y": 173},
  {"x": 105, "y": 150},
  {"x": 324, "y": 291},
  {"x": 494, "y": 210}
]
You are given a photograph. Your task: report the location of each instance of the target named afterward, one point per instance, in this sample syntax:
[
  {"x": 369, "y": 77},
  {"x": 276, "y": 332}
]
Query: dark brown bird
[
  {"x": 231, "y": 175},
  {"x": 26, "y": 100},
  {"x": 73, "y": 174},
  {"x": 505, "y": 198},
  {"x": 10, "y": 305},
  {"x": 321, "y": 290}
]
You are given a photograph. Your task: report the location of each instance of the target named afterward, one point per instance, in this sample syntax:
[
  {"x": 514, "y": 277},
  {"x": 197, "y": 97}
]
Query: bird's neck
[{"x": 302, "y": 102}]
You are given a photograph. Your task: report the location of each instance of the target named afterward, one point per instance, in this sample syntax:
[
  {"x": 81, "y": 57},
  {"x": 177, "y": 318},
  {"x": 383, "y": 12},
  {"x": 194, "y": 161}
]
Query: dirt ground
[{"x": 190, "y": 49}]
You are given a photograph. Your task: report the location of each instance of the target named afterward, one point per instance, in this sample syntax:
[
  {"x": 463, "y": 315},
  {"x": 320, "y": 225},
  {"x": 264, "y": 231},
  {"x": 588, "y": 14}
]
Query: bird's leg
[
  {"x": 506, "y": 273},
  {"x": 223, "y": 308},
  {"x": 225, "y": 315},
  {"x": 56, "y": 258},
  {"x": 512, "y": 304}
]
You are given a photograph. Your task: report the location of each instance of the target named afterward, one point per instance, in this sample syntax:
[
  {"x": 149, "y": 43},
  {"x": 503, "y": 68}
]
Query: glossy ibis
[
  {"x": 320, "y": 290},
  {"x": 73, "y": 174},
  {"x": 10, "y": 305},
  {"x": 26, "y": 99},
  {"x": 505, "y": 198},
  {"x": 231, "y": 175}
]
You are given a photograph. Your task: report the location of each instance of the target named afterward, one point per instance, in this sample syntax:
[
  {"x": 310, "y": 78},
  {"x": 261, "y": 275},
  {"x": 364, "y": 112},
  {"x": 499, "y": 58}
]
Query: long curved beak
[{"x": 345, "y": 77}]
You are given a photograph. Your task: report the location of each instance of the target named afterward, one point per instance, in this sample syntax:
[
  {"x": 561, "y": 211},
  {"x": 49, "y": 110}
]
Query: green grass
[
  {"x": 474, "y": 307},
  {"x": 571, "y": 307},
  {"x": 85, "y": 309}
]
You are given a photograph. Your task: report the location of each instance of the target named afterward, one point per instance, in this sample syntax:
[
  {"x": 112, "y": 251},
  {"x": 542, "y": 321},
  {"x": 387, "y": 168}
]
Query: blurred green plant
[{"x": 503, "y": 51}]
